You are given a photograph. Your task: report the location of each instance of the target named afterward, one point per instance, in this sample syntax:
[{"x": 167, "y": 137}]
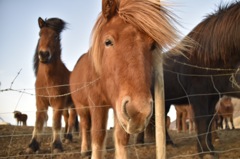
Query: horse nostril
[
  {"x": 125, "y": 102},
  {"x": 151, "y": 113}
]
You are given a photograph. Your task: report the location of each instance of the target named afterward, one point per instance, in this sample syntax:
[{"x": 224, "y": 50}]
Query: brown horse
[
  {"x": 52, "y": 83},
  {"x": 117, "y": 71},
  {"x": 183, "y": 113},
  {"x": 20, "y": 118},
  {"x": 224, "y": 109}
]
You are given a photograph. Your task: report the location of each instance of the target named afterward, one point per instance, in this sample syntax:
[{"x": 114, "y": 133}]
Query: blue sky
[{"x": 19, "y": 35}]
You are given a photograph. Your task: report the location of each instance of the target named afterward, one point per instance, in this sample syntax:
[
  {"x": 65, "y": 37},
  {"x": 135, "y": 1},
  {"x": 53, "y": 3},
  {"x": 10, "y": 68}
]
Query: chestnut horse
[
  {"x": 52, "y": 84},
  {"x": 117, "y": 72},
  {"x": 224, "y": 109},
  {"x": 184, "y": 113},
  {"x": 20, "y": 118}
]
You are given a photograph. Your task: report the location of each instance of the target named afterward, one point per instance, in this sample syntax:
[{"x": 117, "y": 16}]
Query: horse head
[
  {"x": 122, "y": 49},
  {"x": 49, "y": 41}
]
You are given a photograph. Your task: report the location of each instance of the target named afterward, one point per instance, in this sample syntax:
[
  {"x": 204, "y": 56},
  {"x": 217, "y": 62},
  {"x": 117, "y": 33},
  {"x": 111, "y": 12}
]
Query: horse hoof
[
  {"x": 57, "y": 146},
  {"x": 86, "y": 154},
  {"x": 217, "y": 140},
  {"x": 67, "y": 141},
  {"x": 29, "y": 151},
  {"x": 55, "y": 151},
  {"x": 209, "y": 156}
]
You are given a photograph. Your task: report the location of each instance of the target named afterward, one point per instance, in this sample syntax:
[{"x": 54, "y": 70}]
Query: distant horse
[
  {"x": 117, "y": 71},
  {"x": 20, "y": 118},
  {"x": 224, "y": 111},
  {"x": 52, "y": 84},
  {"x": 206, "y": 71},
  {"x": 184, "y": 113}
]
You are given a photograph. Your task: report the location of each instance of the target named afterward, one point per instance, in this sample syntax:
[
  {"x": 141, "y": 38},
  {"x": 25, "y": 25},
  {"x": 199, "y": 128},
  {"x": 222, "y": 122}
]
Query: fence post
[{"x": 159, "y": 110}]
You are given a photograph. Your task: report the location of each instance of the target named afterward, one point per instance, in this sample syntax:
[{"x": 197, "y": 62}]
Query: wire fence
[{"x": 14, "y": 131}]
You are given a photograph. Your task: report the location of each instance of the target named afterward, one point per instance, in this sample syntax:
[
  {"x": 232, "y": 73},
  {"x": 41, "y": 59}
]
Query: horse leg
[
  {"x": 190, "y": 125},
  {"x": 214, "y": 128},
  {"x": 121, "y": 140},
  {"x": 85, "y": 126},
  {"x": 66, "y": 117},
  {"x": 168, "y": 138},
  {"x": 71, "y": 123},
  {"x": 231, "y": 120},
  {"x": 183, "y": 121},
  {"x": 204, "y": 119},
  {"x": 56, "y": 127},
  {"x": 140, "y": 138},
  {"x": 178, "y": 123},
  {"x": 226, "y": 123},
  {"x": 99, "y": 118},
  {"x": 34, "y": 144},
  {"x": 150, "y": 131}
]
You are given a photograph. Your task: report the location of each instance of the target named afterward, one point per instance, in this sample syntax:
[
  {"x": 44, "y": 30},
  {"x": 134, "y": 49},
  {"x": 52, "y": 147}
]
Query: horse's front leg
[
  {"x": 40, "y": 118},
  {"x": 85, "y": 126},
  {"x": 99, "y": 117},
  {"x": 56, "y": 128},
  {"x": 204, "y": 120},
  {"x": 231, "y": 120},
  {"x": 121, "y": 140}
]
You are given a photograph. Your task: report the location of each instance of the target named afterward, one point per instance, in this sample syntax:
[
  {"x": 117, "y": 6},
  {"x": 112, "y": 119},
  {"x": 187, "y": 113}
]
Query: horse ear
[
  {"x": 109, "y": 8},
  {"x": 41, "y": 22}
]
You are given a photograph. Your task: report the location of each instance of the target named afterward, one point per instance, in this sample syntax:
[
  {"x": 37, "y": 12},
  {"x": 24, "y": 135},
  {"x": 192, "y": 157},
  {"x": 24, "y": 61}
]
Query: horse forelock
[
  {"x": 148, "y": 16},
  {"x": 56, "y": 24},
  {"x": 217, "y": 36}
]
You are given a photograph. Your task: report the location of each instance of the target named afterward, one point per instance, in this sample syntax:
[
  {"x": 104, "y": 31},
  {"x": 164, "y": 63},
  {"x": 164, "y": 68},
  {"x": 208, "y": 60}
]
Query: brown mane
[
  {"x": 214, "y": 43},
  {"x": 136, "y": 12}
]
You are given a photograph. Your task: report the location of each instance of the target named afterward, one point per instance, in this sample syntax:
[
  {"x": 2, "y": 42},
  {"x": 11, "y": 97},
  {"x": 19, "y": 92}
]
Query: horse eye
[
  {"x": 153, "y": 47},
  {"x": 108, "y": 42}
]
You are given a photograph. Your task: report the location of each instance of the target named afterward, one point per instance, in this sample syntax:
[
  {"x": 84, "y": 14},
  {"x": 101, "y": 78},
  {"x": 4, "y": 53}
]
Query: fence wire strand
[{"x": 85, "y": 85}]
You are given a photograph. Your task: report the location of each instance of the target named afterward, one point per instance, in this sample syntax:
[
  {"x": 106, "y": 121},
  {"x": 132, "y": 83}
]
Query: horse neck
[{"x": 53, "y": 69}]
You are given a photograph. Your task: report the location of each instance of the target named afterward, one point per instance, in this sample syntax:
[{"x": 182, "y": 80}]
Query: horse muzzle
[
  {"x": 44, "y": 56},
  {"x": 134, "y": 116}
]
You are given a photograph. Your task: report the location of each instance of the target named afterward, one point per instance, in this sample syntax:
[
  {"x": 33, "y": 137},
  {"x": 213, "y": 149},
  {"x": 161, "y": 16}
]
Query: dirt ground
[{"x": 14, "y": 140}]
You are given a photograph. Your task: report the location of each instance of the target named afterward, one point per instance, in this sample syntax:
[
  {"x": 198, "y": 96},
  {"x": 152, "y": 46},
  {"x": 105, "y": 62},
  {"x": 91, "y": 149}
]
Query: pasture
[{"x": 14, "y": 140}]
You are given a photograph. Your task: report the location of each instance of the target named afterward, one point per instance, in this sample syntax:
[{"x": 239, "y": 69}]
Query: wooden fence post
[{"x": 159, "y": 110}]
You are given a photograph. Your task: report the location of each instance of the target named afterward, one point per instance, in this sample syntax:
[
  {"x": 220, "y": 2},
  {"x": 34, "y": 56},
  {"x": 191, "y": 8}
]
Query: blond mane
[{"x": 146, "y": 15}]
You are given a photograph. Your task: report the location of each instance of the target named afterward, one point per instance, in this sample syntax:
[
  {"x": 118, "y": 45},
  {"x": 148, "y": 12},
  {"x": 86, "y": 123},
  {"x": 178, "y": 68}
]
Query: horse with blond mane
[{"x": 117, "y": 71}]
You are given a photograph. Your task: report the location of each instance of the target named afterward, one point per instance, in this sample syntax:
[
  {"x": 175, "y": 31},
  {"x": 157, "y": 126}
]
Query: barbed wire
[
  {"x": 87, "y": 84},
  {"x": 134, "y": 146}
]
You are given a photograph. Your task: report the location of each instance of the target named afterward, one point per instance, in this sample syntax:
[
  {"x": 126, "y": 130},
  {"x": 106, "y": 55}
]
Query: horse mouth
[
  {"x": 44, "y": 60},
  {"x": 132, "y": 127}
]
